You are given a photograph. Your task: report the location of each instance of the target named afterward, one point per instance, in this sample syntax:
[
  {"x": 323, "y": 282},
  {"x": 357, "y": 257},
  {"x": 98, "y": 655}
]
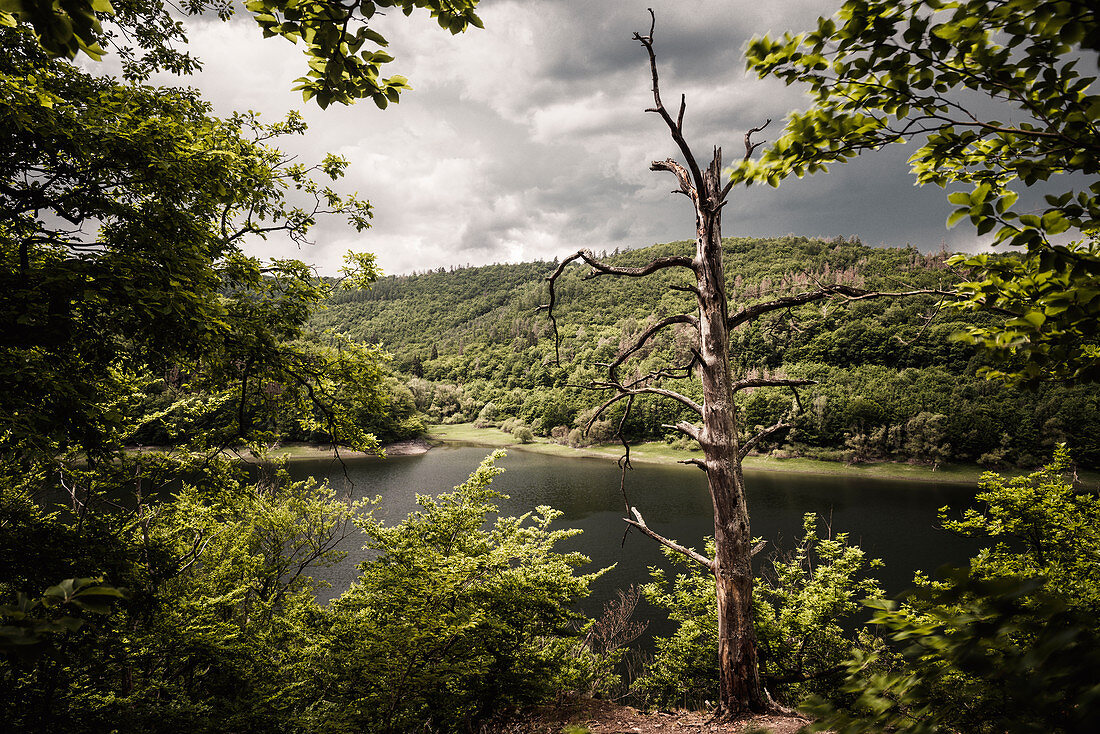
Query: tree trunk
[{"x": 740, "y": 689}]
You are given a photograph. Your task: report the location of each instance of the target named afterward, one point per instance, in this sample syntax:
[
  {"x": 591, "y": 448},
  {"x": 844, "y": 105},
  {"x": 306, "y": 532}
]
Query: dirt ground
[{"x": 603, "y": 717}]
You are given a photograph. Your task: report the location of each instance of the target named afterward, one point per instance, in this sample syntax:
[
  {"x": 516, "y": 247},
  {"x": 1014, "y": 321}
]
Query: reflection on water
[{"x": 891, "y": 520}]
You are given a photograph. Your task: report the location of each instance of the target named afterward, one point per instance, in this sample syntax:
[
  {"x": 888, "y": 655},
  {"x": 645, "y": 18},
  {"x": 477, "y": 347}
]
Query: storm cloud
[{"x": 529, "y": 139}]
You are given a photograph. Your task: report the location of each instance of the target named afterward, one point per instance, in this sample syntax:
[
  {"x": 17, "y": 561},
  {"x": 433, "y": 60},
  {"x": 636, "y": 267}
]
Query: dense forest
[{"x": 892, "y": 383}]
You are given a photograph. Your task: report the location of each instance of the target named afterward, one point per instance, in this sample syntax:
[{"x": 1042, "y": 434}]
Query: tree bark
[{"x": 740, "y": 689}]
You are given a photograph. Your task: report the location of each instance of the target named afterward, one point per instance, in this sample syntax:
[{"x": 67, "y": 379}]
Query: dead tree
[{"x": 715, "y": 427}]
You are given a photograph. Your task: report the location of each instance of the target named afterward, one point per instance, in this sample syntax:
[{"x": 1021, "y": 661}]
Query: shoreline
[
  {"x": 653, "y": 452},
  {"x": 405, "y": 447},
  {"x": 293, "y": 451},
  {"x": 661, "y": 453}
]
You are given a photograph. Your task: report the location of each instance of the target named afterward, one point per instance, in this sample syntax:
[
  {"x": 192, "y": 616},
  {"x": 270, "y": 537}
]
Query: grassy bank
[
  {"x": 662, "y": 453},
  {"x": 295, "y": 451}
]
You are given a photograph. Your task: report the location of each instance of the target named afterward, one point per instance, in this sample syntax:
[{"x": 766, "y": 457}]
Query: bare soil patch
[
  {"x": 409, "y": 447},
  {"x": 589, "y": 716}
]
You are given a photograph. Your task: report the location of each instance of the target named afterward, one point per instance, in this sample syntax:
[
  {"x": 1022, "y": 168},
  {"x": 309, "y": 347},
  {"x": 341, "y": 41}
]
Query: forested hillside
[{"x": 891, "y": 382}]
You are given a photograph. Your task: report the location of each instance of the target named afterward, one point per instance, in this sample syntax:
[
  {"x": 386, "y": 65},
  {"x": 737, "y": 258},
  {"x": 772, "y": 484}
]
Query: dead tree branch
[
  {"x": 682, "y": 372},
  {"x": 624, "y": 460},
  {"x": 688, "y": 429},
  {"x": 761, "y": 435},
  {"x": 750, "y": 148},
  {"x": 781, "y": 425},
  {"x": 687, "y": 188},
  {"x": 846, "y": 292},
  {"x": 694, "y": 555},
  {"x": 625, "y": 391},
  {"x": 599, "y": 269},
  {"x": 645, "y": 336},
  {"x": 685, "y": 288},
  {"x": 600, "y": 410},
  {"x": 927, "y": 322},
  {"x": 675, "y": 127},
  {"x": 866, "y": 295}
]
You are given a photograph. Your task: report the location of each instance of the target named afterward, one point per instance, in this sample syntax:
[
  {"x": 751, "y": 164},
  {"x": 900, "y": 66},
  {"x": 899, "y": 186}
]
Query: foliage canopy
[
  {"x": 343, "y": 50},
  {"x": 1006, "y": 645},
  {"x": 124, "y": 212},
  {"x": 990, "y": 92}
]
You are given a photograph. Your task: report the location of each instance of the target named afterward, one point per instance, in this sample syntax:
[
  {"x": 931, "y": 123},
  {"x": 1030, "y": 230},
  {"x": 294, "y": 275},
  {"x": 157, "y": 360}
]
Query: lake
[{"x": 892, "y": 520}]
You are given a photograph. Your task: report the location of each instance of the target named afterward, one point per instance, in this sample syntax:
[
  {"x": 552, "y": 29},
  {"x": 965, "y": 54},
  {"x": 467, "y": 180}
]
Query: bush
[
  {"x": 598, "y": 657},
  {"x": 451, "y": 622},
  {"x": 601, "y": 432},
  {"x": 802, "y": 605},
  {"x": 684, "y": 671},
  {"x": 984, "y": 657},
  {"x": 1038, "y": 527},
  {"x": 577, "y": 439},
  {"x": 683, "y": 443},
  {"x": 1009, "y": 644},
  {"x": 523, "y": 434},
  {"x": 221, "y": 605},
  {"x": 488, "y": 414}
]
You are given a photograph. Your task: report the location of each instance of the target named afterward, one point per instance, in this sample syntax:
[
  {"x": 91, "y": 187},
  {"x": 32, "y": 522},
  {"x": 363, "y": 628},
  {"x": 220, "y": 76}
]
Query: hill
[{"x": 891, "y": 382}]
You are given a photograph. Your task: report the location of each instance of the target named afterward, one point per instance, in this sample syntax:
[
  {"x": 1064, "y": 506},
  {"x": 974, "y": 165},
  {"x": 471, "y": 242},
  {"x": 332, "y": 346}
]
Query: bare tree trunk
[{"x": 740, "y": 689}]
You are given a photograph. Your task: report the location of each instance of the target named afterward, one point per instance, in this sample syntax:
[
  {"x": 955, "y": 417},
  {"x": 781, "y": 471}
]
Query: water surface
[{"x": 891, "y": 519}]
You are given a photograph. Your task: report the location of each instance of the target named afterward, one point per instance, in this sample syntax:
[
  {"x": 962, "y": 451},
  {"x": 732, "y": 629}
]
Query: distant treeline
[{"x": 891, "y": 383}]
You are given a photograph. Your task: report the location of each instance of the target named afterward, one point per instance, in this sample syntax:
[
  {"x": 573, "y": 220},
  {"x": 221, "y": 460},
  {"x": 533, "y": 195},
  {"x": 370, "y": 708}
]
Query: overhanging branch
[
  {"x": 625, "y": 391},
  {"x": 660, "y": 263},
  {"x": 846, "y": 292},
  {"x": 646, "y": 336},
  {"x": 694, "y": 555},
  {"x": 600, "y": 268}
]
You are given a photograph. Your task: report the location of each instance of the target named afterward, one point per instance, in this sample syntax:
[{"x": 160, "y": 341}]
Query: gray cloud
[{"x": 528, "y": 139}]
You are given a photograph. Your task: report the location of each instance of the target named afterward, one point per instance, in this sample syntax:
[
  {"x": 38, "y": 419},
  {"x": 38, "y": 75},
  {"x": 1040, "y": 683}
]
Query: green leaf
[{"x": 956, "y": 216}]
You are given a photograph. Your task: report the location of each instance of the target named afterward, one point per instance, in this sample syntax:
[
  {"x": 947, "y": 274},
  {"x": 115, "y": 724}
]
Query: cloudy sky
[{"x": 528, "y": 139}]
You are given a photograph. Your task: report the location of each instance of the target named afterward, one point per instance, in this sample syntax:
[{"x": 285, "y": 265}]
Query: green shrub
[
  {"x": 451, "y": 620},
  {"x": 220, "y": 603},
  {"x": 984, "y": 656},
  {"x": 803, "y": 602},
  {"x": 1008, "y": 645}
]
